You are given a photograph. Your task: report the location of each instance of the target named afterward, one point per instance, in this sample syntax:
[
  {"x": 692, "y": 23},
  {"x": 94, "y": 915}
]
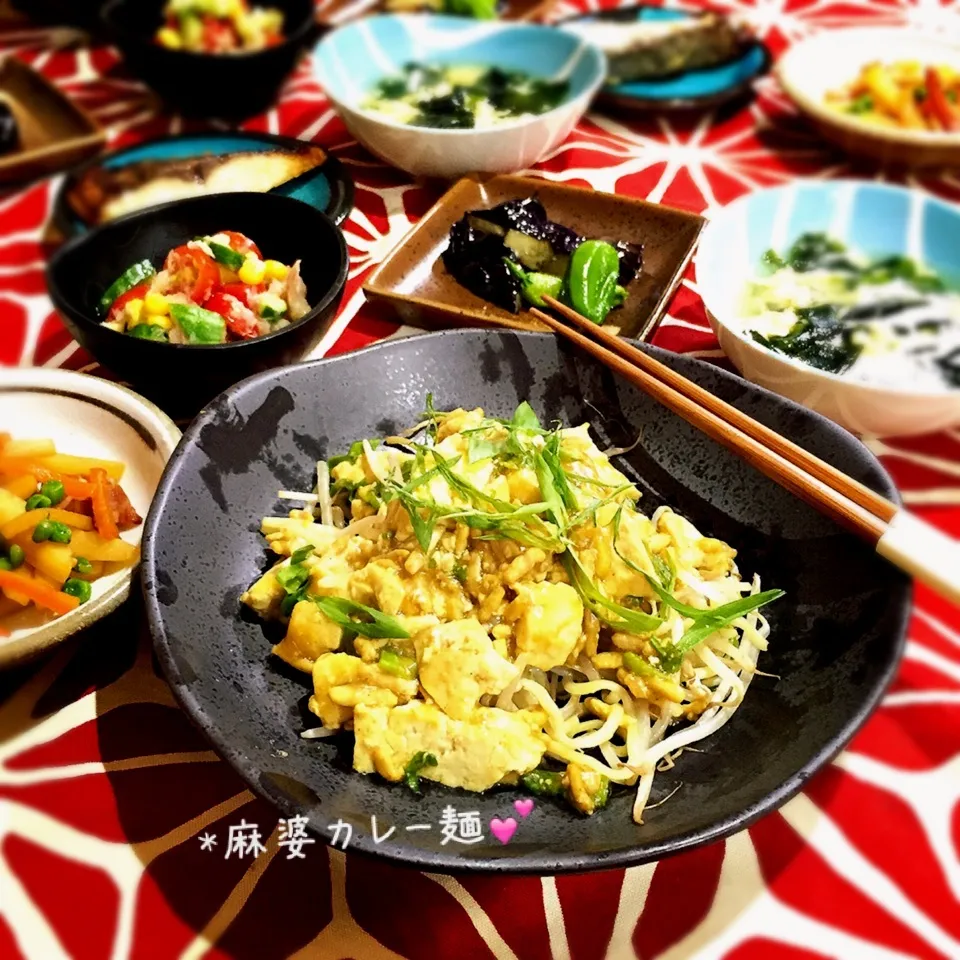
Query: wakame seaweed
[{"x": 818, "y": 338}]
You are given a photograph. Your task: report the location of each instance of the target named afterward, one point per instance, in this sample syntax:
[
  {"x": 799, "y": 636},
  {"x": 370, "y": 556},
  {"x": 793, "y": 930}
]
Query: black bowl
[
  {"x": 836, "y": 636},
  {"x": 182, "y": 377},
  {"x": 209, "y": 85}
]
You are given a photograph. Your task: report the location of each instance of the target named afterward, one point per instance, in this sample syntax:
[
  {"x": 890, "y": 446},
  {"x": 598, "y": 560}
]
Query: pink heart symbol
[
  {"x": 503, "y": 830},
  {"x": 524, "y": 807}
]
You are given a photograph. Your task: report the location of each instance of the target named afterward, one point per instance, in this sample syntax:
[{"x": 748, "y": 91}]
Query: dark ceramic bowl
[
  {"x": 182, "y": 377},
  {"x": 208, "y": 85},
  {"x": 835, "y": 641}
]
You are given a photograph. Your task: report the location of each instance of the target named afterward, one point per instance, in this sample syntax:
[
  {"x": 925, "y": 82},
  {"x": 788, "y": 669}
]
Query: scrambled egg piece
[
  {"x": 341, "y": 682},
  {"x": 309, "y": 635},
  {"x": 458, "y": 665},
  {"x": 265, "y": 595},
  {"x": 476, "y": 753},
  {"x": 549, "y": 621}
]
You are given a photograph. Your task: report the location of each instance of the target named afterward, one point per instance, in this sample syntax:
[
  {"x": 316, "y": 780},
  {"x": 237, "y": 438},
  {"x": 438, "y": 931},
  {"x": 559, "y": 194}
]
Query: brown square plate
[
  {"x": 415, "y": 281},
  {"x": 335, "y": 13},
  {"x": 54, "y": 132}
]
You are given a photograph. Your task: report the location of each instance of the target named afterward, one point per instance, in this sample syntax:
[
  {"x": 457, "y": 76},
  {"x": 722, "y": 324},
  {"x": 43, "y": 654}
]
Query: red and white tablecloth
[{"x": 106, "y": 790}]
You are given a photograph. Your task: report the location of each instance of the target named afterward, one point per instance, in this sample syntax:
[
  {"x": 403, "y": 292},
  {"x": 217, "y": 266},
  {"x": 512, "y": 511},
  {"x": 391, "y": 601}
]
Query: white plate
[
  {"x": 86, "y": 416},
  {"x": 828, "y": 61}
]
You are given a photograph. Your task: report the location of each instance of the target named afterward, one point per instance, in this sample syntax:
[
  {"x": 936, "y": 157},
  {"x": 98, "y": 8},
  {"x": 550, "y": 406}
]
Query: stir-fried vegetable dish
[
  {"x": 514, "y": 256},
  {"x": 483, "y": 602},
  {"x": 61, "y": 518},
  {"x": 463, "y": 97},
  {"x": 905, "y": 94},
  {"x": 215, "y": 289},
  {"x": 887, "y": 321},
  {"x": 219, "y": 26}
]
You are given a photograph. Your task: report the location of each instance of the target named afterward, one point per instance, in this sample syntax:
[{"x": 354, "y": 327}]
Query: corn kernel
[
  {"x": 169, "y": 38},
  {"x": 253, "y": 271},
  {"x": 156, "y": 304},
  {"x": 276, "y": 270},
  {"x": 159, "y": 320},
  {"x": 132, "y": 313}
]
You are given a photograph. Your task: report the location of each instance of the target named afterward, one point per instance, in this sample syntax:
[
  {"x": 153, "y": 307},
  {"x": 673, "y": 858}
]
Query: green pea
[
  {"x": 39, "y": 502},
  {"x": 17, "y": 555},
  {"x": 77, "y": 588},
  {"x": 43, "y": 531},
  {"x": 53, "y": 491},
  {"x": 5, "y": 564},
  {"x": 83, "y": 565},
  {"x": 61, "y": 533}
]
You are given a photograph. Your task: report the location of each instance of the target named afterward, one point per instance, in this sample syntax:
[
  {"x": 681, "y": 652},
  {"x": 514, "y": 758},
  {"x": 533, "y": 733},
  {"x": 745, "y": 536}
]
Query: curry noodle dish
[{"x": 483, "y": 603}]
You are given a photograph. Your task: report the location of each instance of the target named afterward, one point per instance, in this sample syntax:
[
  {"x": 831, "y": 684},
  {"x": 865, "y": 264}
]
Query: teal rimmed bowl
[
  {"x": 349, "y": 62},
  {"x": 875, "y": 219}
]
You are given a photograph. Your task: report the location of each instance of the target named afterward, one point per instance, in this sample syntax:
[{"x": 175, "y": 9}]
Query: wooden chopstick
[
  {"x": 819, "y": 484},
  {"x": 856, "y": 491}
]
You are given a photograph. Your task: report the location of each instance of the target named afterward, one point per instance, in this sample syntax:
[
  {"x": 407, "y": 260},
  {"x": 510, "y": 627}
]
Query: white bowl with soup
[
  {"x": 843, "y": 296},
  {"x": 442, "y": 96}
]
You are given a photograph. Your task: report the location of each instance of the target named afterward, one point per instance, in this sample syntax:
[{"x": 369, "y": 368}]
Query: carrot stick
[
  {"x": 949, "y": 119},
  {"x": 42, "y": 594},
  {"x": 72, "y": 487},
  {"x": 102, "y": 514}
]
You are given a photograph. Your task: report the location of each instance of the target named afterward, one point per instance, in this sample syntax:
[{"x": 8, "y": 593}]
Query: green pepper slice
[
  {"x": 593, "y": 279},
  {"x": 199, "y": 325}
]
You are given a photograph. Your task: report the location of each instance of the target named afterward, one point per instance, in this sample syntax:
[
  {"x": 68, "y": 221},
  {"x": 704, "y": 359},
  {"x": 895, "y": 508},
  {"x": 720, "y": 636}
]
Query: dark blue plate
[
  {"x": 328, "y": 188},
  {"x": 692, "y": 89}
]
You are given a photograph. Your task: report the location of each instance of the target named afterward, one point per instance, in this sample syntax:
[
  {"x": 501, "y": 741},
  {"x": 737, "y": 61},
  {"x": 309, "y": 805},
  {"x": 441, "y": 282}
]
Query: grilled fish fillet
[
  {"x": 102, "y": 194},
  {"x": 648, "y": 50}
]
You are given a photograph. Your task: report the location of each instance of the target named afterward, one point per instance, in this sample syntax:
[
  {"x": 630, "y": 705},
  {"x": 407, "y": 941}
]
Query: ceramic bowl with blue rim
[
  {"x": 350, "y": 61},
  {"x": 877, "y": 220},
  {"x": 697, "y": 89},
  {"x": 327, "y": 188}
]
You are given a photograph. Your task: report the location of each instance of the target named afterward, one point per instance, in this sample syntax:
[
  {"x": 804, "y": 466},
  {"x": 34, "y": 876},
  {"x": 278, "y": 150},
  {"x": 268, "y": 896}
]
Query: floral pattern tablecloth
[{"x": 115, "y": 817}]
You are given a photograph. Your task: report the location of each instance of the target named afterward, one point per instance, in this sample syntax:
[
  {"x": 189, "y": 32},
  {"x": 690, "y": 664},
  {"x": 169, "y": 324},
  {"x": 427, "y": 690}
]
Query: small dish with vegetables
[
  {"x": 886, "y": 93},
  {"x": 80, "y": 458},
  {"x": 152, "y": 294},
  {"x": 212, "y": 58},
  {"x": 487, "y": 252},
  {"x": 444, "y": 96},
  {"x": 215, "y": 289}
]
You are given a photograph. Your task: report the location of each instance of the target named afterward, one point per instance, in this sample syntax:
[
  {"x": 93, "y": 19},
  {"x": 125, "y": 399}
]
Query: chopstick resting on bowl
[{"x": 904, "y": 539}]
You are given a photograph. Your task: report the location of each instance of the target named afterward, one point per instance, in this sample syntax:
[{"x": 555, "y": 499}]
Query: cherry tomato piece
[
  {"x": 239, "y": 290},
  {"x": 241, "y": 321},
  {"x": 218, "y": 35},
  {"x": 196, "y": 273}
]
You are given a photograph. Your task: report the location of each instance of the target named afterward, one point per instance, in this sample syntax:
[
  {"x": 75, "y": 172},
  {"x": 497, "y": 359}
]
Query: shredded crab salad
[{"x": 483, "y": 603}]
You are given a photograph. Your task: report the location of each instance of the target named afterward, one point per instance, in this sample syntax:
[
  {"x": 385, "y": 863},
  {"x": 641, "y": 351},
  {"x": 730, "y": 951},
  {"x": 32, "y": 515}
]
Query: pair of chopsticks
[{"x": 902, "y": 538}]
